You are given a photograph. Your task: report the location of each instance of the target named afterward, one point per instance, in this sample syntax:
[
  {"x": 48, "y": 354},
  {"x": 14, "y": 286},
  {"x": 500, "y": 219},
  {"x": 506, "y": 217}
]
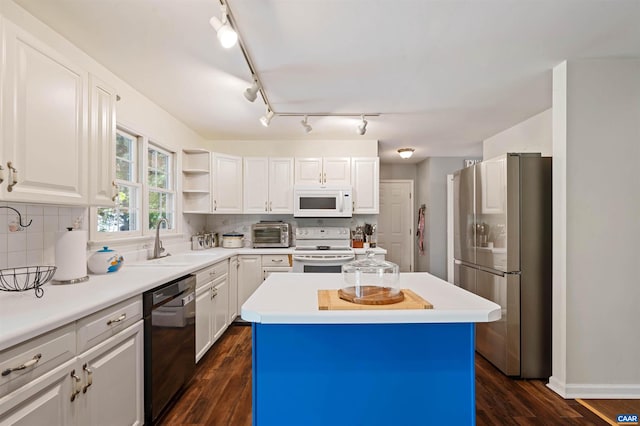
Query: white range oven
[{"x": 322, "y": 249}]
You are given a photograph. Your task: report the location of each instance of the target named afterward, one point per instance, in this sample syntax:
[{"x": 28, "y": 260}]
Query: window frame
[{"x": 143, "y": 233}]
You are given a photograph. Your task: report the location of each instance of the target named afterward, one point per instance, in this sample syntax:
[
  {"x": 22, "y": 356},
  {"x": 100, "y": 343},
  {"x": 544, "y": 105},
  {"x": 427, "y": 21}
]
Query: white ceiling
[{"x": 444, "y": 75}]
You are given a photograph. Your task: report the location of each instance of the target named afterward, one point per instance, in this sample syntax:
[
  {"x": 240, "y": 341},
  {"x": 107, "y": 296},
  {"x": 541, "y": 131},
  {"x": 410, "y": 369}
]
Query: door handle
[
  {"x": 89, "y": 378},
  {"x": 76, "y": 385}
]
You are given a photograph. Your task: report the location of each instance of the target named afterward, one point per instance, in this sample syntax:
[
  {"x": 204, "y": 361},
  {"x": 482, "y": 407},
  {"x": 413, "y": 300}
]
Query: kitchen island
[{"x": 363, "y": 367}]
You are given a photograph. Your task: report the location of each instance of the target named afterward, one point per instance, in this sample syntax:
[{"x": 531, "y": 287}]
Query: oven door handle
[{"x": 323, "y": 259}]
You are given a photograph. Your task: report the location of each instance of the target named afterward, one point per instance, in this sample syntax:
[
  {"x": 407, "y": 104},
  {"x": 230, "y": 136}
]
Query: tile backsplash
[{"x": 34, "y": 244}]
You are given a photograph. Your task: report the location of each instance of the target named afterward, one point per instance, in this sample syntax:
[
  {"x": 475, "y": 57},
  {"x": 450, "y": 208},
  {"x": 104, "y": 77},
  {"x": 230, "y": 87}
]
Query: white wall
[
  {"x": 296, "y": 148},
  {"x": 531, "y": 135},
  {"x": 596, "y": 127}
]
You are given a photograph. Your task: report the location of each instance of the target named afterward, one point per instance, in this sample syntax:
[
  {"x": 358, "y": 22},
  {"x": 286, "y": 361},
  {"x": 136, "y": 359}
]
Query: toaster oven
[{"x": 270, "y": 234}]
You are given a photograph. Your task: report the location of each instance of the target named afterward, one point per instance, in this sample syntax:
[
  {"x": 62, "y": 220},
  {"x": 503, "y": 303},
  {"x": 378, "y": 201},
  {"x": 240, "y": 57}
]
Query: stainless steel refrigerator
[{"x": 502, "y": 251}]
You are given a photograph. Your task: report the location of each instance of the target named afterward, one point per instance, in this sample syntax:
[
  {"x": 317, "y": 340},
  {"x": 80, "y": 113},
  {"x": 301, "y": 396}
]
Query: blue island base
[{"x": 363, "y": 374}]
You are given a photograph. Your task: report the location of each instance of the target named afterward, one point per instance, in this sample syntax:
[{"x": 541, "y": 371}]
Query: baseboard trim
[{"x": 594, "y": 391}]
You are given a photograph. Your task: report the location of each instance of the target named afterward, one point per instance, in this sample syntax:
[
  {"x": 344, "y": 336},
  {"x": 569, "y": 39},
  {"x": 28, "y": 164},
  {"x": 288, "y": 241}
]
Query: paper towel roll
[{"x": 71, "y": 255}]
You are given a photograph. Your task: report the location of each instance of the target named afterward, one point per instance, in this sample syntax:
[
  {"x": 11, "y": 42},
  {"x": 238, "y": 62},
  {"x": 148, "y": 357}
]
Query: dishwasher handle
[{"x": 172, "y": 290}]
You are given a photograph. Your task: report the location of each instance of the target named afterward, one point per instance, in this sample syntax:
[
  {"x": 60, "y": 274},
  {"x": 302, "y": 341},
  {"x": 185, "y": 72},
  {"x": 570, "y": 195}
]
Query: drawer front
[
  {"x": 212, "y": 272},
  {"x": 105, "y": 323},
  {"x": 276, "y": 260},
  {"x": 31, "y": 359}
]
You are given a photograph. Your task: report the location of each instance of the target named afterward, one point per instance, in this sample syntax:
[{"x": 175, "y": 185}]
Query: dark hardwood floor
[{"x": 220, "y": 393}]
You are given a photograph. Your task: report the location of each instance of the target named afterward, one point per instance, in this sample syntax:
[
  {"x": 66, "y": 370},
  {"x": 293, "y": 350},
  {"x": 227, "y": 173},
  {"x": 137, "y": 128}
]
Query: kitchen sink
[{"x": 182, "y": 259}]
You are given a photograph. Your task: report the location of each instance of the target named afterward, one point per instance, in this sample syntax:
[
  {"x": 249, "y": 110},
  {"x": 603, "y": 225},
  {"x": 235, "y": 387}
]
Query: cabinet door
[
  {"x": 112, "y": 380},
  {"x": 220, "y": 306},
  {"x": 44, "y": 401},
  {"x": 365, "y": 178},
  {"x": 256, "y": 185},
  {"x": 336, "y": 171},
  {"x": 227, "y": 183},
  {"x": 204, "y": 322},
  {"x": 308, "y": 171},
  {"x": 233, "y": 288},
  {"x": 249, "y": 277},
  {"x": 281, "y": 185},
  {"x": 44, "y": 123},
  {"x": 102, "y": 133}
]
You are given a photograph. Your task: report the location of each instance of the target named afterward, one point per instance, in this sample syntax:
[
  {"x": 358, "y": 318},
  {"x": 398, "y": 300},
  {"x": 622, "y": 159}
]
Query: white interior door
[{"x": 395, "y": 222}]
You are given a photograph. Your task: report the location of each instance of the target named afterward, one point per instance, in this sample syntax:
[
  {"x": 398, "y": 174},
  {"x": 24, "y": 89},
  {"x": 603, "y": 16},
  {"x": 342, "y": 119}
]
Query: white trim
[
  {"x": 450, "y": 269},
  {"x": 594, "y": 391}
]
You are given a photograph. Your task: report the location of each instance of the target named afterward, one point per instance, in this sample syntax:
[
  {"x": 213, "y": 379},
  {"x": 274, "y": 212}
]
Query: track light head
[
  {"x": 405, "y": 152},
  {"x": 306, "y": 125},
  {"x": 252, "y": 92},
  {"x": 362, "y": 127},
  {"x": 226, "y": 35},
  {"x": 265, "y": 120}
]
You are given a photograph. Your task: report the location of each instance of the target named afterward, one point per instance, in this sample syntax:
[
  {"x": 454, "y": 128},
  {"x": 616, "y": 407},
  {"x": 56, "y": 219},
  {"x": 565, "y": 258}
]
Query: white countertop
[
  {"x": 23, "y": 315},
  {"x": 292, "y": 299}
]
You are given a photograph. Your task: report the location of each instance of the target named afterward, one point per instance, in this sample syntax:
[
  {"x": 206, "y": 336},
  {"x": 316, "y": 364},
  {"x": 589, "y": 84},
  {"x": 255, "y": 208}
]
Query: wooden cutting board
[{"x": 328, "y": 300}]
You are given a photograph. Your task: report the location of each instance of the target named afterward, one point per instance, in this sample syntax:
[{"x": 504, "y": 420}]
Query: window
[
  {"x": 146, "y": 190},
  {"x": 124, "y": 218},
  {"x": 160, "y": 186}
]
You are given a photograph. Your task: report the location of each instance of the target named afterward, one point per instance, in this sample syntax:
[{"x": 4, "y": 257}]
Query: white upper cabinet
[
  {"x": 227, "y": 183},
  {"x": 365, "y": 178},
  {"x": 102, "y": 134},
  {"x": 44, "y": 123},
  {"x": 323, "y": 171},
  {"x": 268, "y": 185}
]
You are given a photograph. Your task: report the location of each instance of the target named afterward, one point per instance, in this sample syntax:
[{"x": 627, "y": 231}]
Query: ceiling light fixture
[
  {"x": 362, "y": 127},
  {"x": 405, "y": 152},
  {"x": 265, "y": 120},
  {"x": 252, "y": 92},
  {"x": 306, "y": 125},
  {"x": 226, "y": 35}
]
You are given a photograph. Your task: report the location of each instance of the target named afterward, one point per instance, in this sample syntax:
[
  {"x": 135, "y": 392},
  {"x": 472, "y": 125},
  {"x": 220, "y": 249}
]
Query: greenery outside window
[
  {"x": 160, "y": 186},
  {"x": 124, "y": 218}
]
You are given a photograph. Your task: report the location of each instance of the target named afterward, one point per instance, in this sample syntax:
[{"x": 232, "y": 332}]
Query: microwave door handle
[{"x": 341, "y": 194}]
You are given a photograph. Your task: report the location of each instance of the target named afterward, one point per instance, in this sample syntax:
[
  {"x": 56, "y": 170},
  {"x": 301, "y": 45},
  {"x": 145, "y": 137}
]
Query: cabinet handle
[
  {"x": 76, "y": 386},
  {"x": 320, "y": 178},
  {"x": 13, "y": 176},
  {"x": 214, "y": 292},
  {"x": 1, "y": 173},
  {"x": 89, "y": 378},
  {"x": 116, "y": 192},
  {"x": 215, "y": 205},
  {"x": 276, "y": 260},
  {"x": 325, "y": 177},
  {"x": 33, "y": 361},
  {"x": 212, "y": 273},
  {"x": 120, "y": 318},
  {"x": 265, "y": 206},
  {"x": 270, "y": 206}
]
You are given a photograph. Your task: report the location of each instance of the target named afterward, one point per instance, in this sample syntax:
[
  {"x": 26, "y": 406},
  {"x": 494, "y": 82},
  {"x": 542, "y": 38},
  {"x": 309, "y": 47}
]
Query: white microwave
[{"x": 313, "y": 201}]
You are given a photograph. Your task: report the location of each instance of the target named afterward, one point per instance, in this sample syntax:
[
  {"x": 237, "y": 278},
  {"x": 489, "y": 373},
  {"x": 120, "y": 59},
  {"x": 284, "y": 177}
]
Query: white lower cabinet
[
  {"x": 212, "y": 306},
  {"x": 233, "y": 288},
  {"x": 249, "y": 276},
  {"x": 112, "y": 376},
  {"x": 103, "y": 385}
]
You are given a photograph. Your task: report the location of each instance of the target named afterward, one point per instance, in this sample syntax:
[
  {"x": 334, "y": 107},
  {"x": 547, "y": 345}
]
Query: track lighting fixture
[
  {"x": 362, "y": 127},
  {"x": 405, "y": 152},
  {"x": 226, "y": 35},
  {"x": 266, "y": 119},
  {"x": 306, "y": 125},
  {"x": 252, "y": 92}
]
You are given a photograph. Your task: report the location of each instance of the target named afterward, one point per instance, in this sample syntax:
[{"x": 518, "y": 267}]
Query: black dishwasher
[{"x": 169, "y": 343}]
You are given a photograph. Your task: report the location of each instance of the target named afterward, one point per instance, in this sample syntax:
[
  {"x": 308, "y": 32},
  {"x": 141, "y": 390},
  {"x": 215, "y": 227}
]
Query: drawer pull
[
  {"x": 276, "y": 260},
  {"x": 89, "y": 378},
  {"x": 33, "y": 361},
  {"x": 76, "y": 386},
  {"x": 120, "y": 318}
]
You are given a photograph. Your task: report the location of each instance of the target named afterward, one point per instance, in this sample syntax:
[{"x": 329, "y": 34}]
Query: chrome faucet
[{"x": 157, "y": 248}]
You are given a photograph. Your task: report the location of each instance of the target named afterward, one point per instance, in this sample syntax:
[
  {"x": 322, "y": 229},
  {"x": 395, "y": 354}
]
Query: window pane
[
  {"x": 152, "y": 158},
  {"x": 162, "y": 162},
  {"x": 123, "y": 170},
  {"x": 154, "y": 201},
  {"x": 124, "y": 146}
]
